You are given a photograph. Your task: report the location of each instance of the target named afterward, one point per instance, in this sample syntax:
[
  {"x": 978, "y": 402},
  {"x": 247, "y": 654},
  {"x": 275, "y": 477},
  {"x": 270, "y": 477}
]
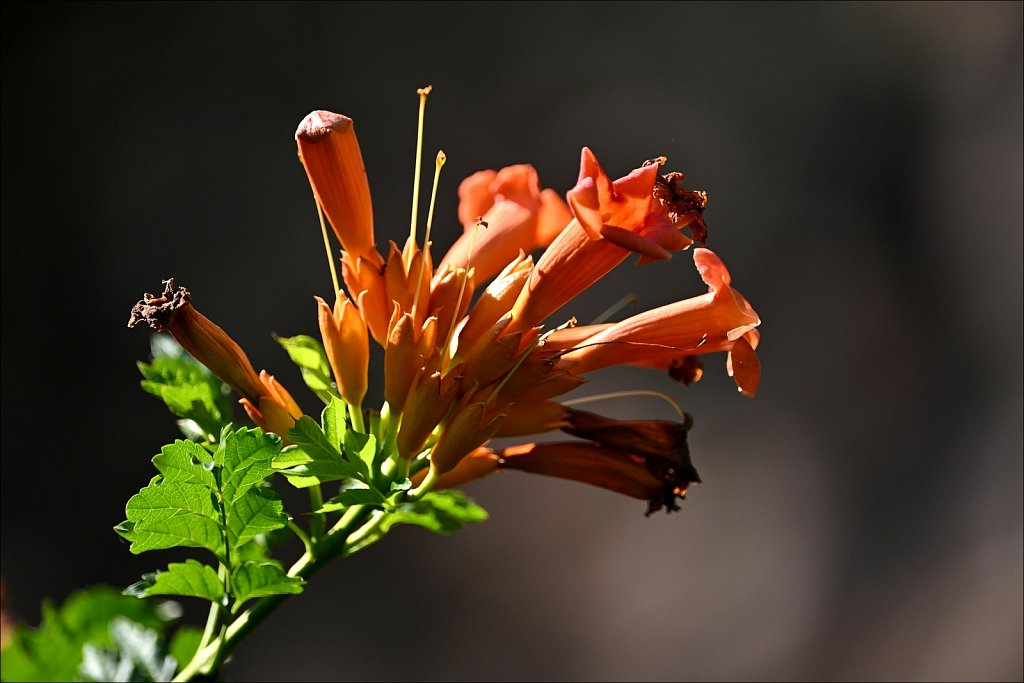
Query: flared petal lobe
[
  {"x": 612, "y": 220},
  {"x": 517, "y": 214}
]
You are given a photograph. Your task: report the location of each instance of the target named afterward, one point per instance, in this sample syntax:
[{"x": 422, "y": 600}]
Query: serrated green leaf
[
  {"x": 257, "y": 512},
  {"x": 185, "y": 462},
  {"x": 309, "y": 355},
  {"x": 189, "y": 578},
  {"x": 443, "y": 512},
  {"x": 314, "y": 459},
  {"x": 332, "y": 420},
  {"x": 199, "y": 499},
  {"x": 246, "y": 456},
  {"x": 53, "y": 652},
  {"x": 258, "y": 549},
  {"x": 361, "y": 449},
  {"x": 260, "y": 579},
  {"x": 353, "y": 496},
  {"x": 168, "y": 514},
  {"x": 310, "y": 436},
  {"x": 291, "y": 456}
]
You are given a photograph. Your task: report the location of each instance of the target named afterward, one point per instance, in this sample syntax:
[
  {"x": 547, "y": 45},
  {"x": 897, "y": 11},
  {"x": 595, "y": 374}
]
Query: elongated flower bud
[
  {"x": 472, "y": 424},
  {"x": 329, "y": 151},
  {"x": 274, "y": 411},
  {"x": 347, "y": 345}
]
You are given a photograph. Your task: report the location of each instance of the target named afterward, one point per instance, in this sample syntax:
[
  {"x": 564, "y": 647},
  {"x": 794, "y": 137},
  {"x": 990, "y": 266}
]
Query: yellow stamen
[
  {"x": 462, "y": 289},
  {"x": 438, "y": 164},
  {"x": 422, "y": 92},
  {"x": 627, "y": 394},
  {"x": 327, "y": 247}
]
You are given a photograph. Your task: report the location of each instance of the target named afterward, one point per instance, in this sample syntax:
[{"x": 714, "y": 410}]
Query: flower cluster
[{"x": 463, "y": 367}]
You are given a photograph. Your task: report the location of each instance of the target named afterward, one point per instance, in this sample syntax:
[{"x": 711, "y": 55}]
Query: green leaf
[
  {"x": 314, "y": 459},
  {"x": 169, "y": 514},
  {"x": 260, "y": 579},
  {"x": 185, "y": 462},
  {"x": 189, "y": 578},
  {"x": 361, "y": 449},
  {"x": 332, "y": 420},
  {"x": 309, "y": 355},
  {"x": 355, "y": 495},
  {"x": 53, "y": 652},
  {"x": 187, "y": 388},
  {"x": 443, "y": 512},
  {"x": 258, "y": 512},
  {"x": 139, "y": 656},
  {"x": 198, "y": 500},
  {"x": 246, "y": 457}
]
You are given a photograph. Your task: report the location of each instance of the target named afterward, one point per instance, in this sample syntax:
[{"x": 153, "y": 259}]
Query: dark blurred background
[{"x": 861, "y": 518}]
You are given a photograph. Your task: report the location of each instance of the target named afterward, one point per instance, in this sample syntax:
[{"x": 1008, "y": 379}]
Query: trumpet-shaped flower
[
  {"x": 639, "y": 213},
  {"x": 720, "y": 320}
]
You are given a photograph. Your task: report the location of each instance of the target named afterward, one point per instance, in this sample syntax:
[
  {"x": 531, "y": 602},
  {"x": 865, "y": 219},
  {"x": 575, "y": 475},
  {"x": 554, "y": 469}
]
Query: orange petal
[
  {"x": 329, "y": 151},
  {"x": 744, "y": 367}
]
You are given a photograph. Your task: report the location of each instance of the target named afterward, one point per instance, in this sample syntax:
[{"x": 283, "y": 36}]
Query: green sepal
[
  {"x": 309, "y": 355},
  {"x": 190, "y": 578},
  {"x": 260, "y": 579}
]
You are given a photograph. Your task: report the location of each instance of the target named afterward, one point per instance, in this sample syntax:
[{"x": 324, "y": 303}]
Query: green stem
[
  {"x": 212, "y": 620},
  {"x": 318, "y": 522},
  {"x": 297, "y": 530},
  {"x": 335, "y": 543},
  {"x": 355, "y": 413}
]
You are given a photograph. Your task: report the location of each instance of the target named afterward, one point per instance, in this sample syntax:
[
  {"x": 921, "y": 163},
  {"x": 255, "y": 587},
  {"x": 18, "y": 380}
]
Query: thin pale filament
[
  {"x": 628, "y": 300},
  {"x": 627, "y": 394},
  {"x": 438, "y": 164},
  {"x": 327, "y": 247},
  {"x": 422, "y": 92}
]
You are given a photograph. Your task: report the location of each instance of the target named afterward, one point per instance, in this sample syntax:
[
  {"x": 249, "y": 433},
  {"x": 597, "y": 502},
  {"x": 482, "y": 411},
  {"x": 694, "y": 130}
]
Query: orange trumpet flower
[{"x": 720, "y": 320}]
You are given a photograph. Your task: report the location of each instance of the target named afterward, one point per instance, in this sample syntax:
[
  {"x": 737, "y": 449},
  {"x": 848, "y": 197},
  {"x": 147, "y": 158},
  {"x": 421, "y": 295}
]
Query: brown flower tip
[
  {"x": 659, "y": 444},
  {"x": 157, "y": 311},
  {"x": 684, "y": 207},
  {"x": 320, "y": 123}
]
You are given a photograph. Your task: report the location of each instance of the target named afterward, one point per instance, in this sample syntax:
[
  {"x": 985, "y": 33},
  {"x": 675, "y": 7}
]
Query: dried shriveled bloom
[{"x": 268, "y": 404}]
